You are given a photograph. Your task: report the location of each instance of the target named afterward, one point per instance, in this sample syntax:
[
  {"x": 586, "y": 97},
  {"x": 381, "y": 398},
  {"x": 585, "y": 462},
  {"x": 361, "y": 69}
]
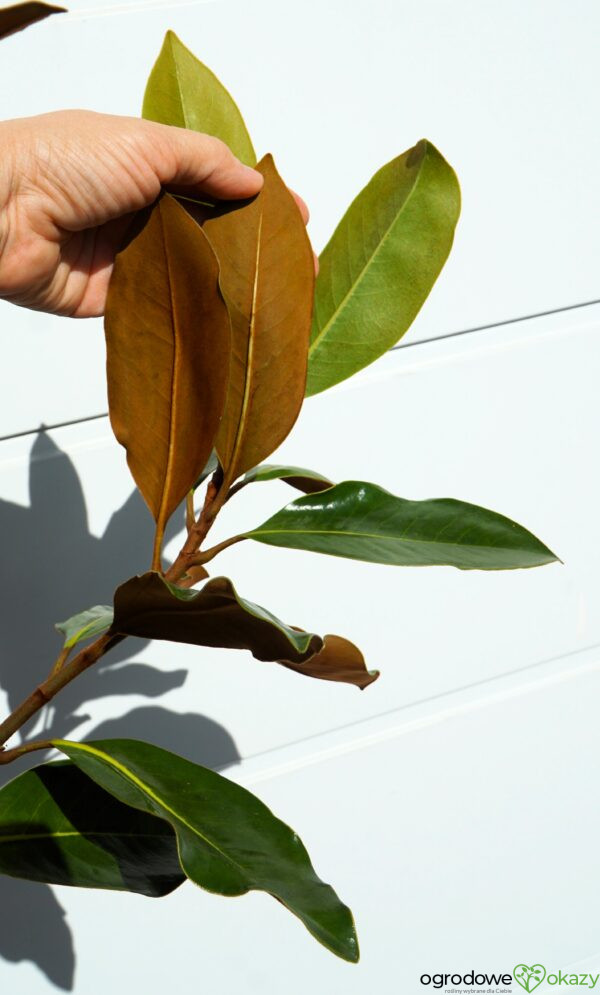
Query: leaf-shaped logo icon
[{"x": 529, "y": 978}]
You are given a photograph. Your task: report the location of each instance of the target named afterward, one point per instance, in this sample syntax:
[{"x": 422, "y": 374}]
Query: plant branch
[
  {"x": 188, "y": 565},
  {"x": 190, "y": 516},
  {"x": 45, "y": 691},
  {"x": 209, "y": 554},
  {"x": 213, "y": 502}
]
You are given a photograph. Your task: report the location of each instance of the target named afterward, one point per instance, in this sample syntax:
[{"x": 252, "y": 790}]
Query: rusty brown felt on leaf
[
  {"x": 267, "y": 279},
  {"x": 168, "y": 345}
]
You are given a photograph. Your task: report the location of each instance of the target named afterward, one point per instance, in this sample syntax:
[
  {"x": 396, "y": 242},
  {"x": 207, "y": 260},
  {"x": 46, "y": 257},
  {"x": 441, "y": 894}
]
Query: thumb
[{"x": 200, "y": 163}]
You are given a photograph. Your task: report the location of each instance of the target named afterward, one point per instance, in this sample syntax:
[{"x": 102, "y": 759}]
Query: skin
[{"x": 69, "y": 183}]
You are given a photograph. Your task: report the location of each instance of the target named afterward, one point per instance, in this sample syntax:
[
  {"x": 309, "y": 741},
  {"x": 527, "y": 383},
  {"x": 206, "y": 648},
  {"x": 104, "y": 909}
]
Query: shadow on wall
[{"x": 52, "y": 567}]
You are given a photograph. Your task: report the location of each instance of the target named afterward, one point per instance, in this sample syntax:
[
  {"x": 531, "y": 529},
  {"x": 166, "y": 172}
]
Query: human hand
[{"x": 69, "y": 183}]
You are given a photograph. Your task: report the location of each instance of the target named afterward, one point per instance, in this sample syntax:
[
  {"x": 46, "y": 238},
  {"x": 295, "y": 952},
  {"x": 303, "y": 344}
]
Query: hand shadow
[{"x": 53, "y": 567}]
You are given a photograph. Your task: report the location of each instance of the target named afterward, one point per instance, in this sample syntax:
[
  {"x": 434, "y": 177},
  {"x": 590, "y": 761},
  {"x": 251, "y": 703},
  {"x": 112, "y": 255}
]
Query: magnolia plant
[{"x": 216, "y": 331}]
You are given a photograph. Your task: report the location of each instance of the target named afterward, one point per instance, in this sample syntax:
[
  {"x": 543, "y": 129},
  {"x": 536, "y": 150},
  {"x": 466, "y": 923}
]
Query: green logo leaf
[{"x": 529, "y": 978}]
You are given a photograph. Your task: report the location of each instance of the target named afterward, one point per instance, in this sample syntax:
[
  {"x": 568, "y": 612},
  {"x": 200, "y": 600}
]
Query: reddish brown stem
[
  {"x": 190, "y": 516},
  {"x": 56, "y": 682},
  {"x": 188, "y": 556},
  {"x": 209, "y": 554}
]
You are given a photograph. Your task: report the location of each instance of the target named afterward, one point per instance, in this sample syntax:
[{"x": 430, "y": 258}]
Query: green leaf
[
  {"x": 296, "y": 476},
  {"x": 150, "y": 607},
  {"x": 366, "y": 522},
  {"x": 60, "y": 827},
  {"x": 84, "y": 625},
  {"x": 228, "y": 841},
  {"x": 381, "y": 263},
  {"x": 182, "y": 91}
]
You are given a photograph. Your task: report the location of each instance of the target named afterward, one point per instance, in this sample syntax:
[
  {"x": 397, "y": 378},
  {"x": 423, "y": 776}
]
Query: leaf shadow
[{"x": 53, "y": 567}]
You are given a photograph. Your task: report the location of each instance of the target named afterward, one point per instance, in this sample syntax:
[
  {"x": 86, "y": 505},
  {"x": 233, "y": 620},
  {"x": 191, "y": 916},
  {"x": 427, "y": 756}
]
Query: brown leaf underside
[
  {"x": 267, "y": 279},
  {"x": 168, "y": 342},
  {"x": 308, "y": 485},
  {"x": 144, "y": 606},
  {"x": 338, "y": 660}
]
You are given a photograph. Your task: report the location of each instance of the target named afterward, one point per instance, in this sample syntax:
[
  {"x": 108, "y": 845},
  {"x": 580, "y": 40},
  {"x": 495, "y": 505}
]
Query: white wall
[{"x": 454, "y": 803}]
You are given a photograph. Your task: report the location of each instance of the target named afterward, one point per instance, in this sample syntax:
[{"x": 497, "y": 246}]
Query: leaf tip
[
  {"x": 372, "y": 677},
  {"x": 172, "y": 39},
  {"x": 350, "y": 950},
  {"x": 266, "y": 165}
]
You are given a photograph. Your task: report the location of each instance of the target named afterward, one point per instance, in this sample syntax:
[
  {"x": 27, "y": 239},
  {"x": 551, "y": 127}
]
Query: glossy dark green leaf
[
  {"x": 84, "y": 625},
  {"x": 366, "y": 522},
  {"x": 60, "y": 827},
  {"x": 229, "y": 842},
  {"x": 150, "y": 607},
  {"x": 22, "y": 15},
  {"x": 182, "y": 91},
  {"x": 381, "y": 263},
  {"x": 296, "y": 476}
]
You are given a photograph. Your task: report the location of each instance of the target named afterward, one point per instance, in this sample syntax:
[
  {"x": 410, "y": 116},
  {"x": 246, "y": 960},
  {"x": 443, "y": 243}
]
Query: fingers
[
  {"x": 207, "y": 165},
  {"x": 301, "y": 206},
  {"x": 305, "y": 217}
]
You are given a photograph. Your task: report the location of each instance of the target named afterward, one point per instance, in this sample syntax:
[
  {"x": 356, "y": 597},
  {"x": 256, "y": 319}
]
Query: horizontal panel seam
[
  {"x": 415, "y": 724},
  {"x": 401, "y": 345},
  {"x": 49, "y": 428},
  {"x": 495, "y": 324},
  {"x": 491, "y": 689}
]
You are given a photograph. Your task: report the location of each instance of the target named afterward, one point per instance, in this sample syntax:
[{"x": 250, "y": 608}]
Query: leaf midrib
[
  {"x": 241, "y": 426},
  {"x": 180, "y": 90},
  {"x": 164, "y": 503},
  {"x": 354, "y": 286},
  {"x": 24, "y": 837},
  {"x": 374, "y": 535},
  {"x": 138, "y": 783}
]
